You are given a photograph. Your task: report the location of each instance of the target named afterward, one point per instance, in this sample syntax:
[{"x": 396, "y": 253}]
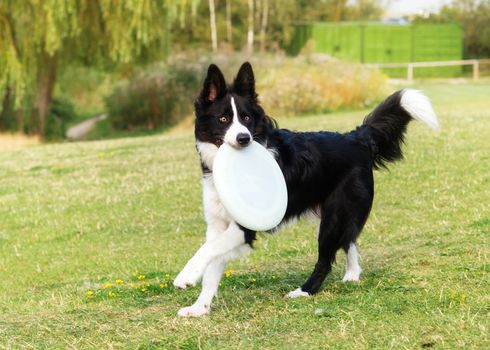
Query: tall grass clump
[
  {"x": 316, "y": 84},
  {"x": 163, "y": 94}
]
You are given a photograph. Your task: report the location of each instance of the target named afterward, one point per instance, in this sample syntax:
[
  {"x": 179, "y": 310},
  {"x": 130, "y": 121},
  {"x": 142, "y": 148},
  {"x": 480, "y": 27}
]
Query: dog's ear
[
  {"x": 214, "y": 85},
  {"x": 244, "y": 83}
]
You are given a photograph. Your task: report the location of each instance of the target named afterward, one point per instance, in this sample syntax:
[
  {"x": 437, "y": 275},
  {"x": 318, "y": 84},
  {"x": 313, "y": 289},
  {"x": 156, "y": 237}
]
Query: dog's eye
[
  {"x": 246, "y": 118},
  {"x": 223, "y": 119}
]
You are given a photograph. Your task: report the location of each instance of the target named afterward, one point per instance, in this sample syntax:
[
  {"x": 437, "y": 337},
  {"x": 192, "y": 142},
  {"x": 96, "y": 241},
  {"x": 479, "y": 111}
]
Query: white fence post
[
  {"x": 476, "y": 70},
  {"x": 410, "y": 73}
]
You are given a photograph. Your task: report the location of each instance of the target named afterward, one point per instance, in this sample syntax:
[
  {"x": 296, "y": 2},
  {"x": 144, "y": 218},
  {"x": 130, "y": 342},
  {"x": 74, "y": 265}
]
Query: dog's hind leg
[
  {"x": 328, "y": 244},
  {"x": 352, "y": 268},
  {"x": 343, "y": 216}
]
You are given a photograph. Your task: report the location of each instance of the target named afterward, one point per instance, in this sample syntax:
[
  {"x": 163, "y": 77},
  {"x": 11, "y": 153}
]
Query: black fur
[
  {"x": 328, "y": 173},
  {"x": 386, "y": 126}
]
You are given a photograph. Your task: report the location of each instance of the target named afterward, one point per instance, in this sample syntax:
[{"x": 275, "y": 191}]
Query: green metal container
[
  {"x": 437, "y": 42},
  {"x": 342, "y": 41},
  {"x": 385, "y": 43}
]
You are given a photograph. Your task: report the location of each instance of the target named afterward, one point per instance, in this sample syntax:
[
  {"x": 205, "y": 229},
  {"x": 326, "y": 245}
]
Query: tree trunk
[
  {"x": 19, "y": 118},
  {"x": 250, "y": 35},
  {"x": 339, "y": 6},
  {"x": 212, "y": 19},
  {"x": 263, "y": 26},
  {"x": 257, "y": 13},
  {"x": 228, "y": 21},
  {"x": 46, "y": 78},
  {"x": 4, "y": 112}
]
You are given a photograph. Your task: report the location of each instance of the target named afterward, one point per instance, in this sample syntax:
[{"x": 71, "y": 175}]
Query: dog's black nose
[{"x": 243, "y": 139}]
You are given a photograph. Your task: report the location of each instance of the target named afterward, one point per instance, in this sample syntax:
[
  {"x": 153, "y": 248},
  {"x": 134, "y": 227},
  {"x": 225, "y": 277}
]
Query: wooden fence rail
[{"x": 411, "y": 65}]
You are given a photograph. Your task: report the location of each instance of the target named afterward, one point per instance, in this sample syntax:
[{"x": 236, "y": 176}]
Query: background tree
[
  {"x": 39, "y": 37},
  {"x": 271, "y": 20},
  {"x": 229, "y": 34},
  {"x": 366, "y": 10},
  {"x": 212, "y": 24},
  {"x": 250, "y": 30},
  {"x": 263, "y": 24}
]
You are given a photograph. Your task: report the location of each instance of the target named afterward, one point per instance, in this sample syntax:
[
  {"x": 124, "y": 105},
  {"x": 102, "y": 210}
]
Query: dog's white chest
[{"x": 213, "y": 209}]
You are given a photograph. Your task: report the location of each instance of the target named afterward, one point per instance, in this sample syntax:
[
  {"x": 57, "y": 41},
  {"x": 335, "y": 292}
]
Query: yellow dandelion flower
[
  {"x": 163, "y": 285},
  {"x": 89, "y": 292},
  {"x": 230, "y": 272},
  {"x": 107, "y": 285},
  {"x": 119, "y": 281},
  {"x": 112, "y": 294},
  {"x": 141, "y": 277}
]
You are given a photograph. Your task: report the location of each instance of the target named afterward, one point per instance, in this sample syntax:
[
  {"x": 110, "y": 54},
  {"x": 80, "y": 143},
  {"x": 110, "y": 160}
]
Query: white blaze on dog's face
[{"x": 237, "y": 134}]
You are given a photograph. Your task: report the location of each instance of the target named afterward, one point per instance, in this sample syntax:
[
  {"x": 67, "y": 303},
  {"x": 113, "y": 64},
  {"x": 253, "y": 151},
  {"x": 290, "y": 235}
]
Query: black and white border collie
[{"x": 327, "y": 173}]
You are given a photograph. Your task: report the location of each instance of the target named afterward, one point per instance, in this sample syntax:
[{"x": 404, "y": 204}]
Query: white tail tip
[{"x": 419, "y": 107}]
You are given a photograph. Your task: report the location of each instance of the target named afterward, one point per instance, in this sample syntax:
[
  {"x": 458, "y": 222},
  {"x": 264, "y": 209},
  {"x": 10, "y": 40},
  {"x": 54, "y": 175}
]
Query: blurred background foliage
[
  {"x": 142, "y": 62},
  {"x": 160, "y": 95}
]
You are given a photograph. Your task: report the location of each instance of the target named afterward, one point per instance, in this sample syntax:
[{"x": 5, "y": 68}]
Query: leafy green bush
[
  {"x": 156, "y": 97},
  {"x": 62, "y": 113},
  {"x": 162, "y": 95}
]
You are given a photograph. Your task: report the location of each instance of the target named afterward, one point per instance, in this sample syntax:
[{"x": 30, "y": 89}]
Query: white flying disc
[{"x": 251, "y": 186}]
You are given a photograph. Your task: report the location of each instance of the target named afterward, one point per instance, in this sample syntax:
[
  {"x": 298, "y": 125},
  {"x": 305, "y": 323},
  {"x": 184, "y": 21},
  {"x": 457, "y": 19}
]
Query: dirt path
[{"x": 79, "y": 131}]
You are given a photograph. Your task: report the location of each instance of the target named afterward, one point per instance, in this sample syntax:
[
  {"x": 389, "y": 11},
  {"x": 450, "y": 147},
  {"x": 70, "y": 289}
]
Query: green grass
[
  {"x": 74, "y": 217},
  {"x": 103, "y": 130}
]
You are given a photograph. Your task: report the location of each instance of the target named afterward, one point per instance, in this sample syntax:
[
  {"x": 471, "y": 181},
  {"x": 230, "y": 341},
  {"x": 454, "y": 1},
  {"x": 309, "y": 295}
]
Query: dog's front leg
[
  {"x": 217, "y": 223},
  {"x": 210, "y": 282},
  {"x": 185, "y": 278},
  {"x": 221, "y": 245}
]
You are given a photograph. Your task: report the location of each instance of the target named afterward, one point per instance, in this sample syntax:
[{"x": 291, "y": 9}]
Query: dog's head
[{"x": 230, "y": 113}]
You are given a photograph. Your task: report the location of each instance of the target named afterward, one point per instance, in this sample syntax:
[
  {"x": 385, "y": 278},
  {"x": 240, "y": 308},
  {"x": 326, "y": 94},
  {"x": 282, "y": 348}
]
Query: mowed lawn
[{"x": 92, "y": 234}]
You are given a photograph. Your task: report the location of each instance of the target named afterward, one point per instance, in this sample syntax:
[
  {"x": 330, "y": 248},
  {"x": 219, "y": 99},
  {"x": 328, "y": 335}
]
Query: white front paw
[
  {"x": 297, "y": 293},
  {"x": 182, "y": 282},
  {"x": 193, "y": 311},
  {"x": 187, "y": 277},
  {"x": 351, "y": 276}
]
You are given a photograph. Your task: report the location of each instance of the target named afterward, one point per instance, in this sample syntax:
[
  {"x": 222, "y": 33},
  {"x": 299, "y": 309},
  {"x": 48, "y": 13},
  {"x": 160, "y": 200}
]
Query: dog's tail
[{"x": 386, "y": 125}]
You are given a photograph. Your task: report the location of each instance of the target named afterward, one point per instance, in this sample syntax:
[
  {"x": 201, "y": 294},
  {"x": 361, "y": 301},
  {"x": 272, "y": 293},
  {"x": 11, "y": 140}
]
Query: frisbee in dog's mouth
[{"x": 251, "y": 186}]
